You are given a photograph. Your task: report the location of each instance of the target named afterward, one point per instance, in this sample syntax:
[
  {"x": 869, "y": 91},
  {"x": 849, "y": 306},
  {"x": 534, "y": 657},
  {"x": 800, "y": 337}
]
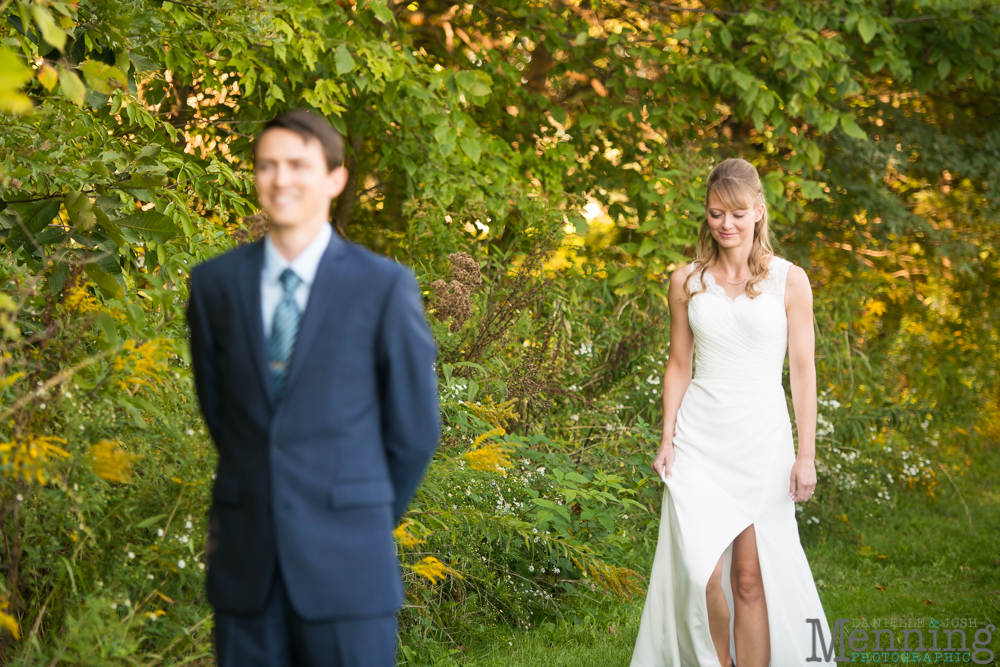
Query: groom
[{"x": 314, "y": 368}]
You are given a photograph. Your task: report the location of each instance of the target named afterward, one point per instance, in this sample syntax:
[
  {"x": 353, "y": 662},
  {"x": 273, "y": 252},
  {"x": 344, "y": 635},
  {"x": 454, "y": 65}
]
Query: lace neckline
[
  {"x": 716, "y": 288},
  {"x": 773, "y": 283}
]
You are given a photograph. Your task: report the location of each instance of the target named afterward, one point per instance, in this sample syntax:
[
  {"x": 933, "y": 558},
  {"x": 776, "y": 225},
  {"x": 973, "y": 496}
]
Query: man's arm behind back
[{"x": 408, "y": 388}]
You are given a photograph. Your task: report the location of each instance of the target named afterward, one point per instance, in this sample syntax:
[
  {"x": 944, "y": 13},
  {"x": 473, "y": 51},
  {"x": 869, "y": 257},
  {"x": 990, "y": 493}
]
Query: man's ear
[{"x": 337, "y": 180}]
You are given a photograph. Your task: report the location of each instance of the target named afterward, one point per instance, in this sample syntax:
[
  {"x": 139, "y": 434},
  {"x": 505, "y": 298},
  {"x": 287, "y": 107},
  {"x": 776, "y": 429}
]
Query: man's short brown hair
[{"x": 309, "y": 125}]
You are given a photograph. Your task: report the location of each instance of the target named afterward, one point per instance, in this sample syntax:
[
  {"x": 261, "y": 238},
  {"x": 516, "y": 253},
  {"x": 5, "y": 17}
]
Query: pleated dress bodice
[{"x": 743, "y": 339}]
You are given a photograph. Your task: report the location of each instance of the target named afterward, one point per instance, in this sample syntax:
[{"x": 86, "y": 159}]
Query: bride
[{"x": 730, "y": 581}]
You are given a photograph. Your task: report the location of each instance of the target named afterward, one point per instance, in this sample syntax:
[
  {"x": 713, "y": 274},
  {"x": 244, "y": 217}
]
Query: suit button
[{"x": 277, "y": 444}]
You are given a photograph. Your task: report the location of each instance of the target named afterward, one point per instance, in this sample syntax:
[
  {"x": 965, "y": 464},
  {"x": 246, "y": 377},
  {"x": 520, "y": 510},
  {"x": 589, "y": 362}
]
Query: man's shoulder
[
  {"x": 223, "y": 265},
  {"x": 374, "y": 266}
]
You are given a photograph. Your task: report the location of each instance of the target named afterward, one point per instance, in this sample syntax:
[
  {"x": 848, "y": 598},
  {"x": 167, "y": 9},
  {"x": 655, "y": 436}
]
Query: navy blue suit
[{"x": 313, "y": 484}]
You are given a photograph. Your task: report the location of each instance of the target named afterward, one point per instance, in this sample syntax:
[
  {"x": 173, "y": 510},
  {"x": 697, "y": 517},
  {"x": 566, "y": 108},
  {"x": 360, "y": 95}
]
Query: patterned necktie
[{"x": 284, "y": 329}]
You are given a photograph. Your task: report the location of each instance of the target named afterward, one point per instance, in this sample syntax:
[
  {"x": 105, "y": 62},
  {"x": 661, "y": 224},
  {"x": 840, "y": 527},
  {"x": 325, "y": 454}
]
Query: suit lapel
[
  {"x": 324, "y": 296},
  {"x": 249, "y": 281}
]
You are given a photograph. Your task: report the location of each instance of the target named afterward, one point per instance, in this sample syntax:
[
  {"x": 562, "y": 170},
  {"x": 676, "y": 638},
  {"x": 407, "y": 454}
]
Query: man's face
[{"x": 293, "y": 182}]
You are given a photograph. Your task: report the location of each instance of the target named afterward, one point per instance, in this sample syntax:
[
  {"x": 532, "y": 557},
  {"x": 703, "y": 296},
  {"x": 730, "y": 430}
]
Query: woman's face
[{"x": 732, "y": 228}]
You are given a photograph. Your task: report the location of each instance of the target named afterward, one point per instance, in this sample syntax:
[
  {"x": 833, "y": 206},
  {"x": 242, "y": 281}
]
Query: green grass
[{"x": 918, "y": 558}]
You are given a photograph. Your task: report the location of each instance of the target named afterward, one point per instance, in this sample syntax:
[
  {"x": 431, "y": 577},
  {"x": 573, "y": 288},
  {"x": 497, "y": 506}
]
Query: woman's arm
[
  {"x": 802, "y": 373},
  {"x": 677, "y": 375}
]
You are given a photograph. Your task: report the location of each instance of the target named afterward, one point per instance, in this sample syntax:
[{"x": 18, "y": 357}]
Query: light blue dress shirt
[{"x": 304, "y": 266}]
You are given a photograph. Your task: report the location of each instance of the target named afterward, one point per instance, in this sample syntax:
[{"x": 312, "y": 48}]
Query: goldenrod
[
  {"x": 494, "y": 457},
  {"x": 433, "y": 569},
  {"x": 111, "y": 462},
  {"x": 405, "y": 538},
  {"x": 30, "y": 457},
  {"x": 9, "y": 622},
  {"x": 143, "y": 362}
]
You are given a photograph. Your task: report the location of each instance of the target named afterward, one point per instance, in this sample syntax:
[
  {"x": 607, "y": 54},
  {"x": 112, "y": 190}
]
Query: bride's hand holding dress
[{"x": 677, "y": 375}]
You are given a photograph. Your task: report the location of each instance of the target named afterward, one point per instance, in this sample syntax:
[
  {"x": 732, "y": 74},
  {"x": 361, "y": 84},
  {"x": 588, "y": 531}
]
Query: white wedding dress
[{"x": 734, "y": 456}]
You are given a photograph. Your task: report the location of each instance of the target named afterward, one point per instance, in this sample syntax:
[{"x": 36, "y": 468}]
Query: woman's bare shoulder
[
  {"x": 798, "y": 290},
  {"x": 682, "y": 272}
]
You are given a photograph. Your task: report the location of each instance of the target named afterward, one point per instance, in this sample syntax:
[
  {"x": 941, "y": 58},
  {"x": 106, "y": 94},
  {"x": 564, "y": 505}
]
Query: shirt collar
[{"x": 305, "y": 265}]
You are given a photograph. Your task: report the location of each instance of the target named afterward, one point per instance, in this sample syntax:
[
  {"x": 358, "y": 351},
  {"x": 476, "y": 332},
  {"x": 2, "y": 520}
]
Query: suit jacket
[{"x": 317, "y": 481}]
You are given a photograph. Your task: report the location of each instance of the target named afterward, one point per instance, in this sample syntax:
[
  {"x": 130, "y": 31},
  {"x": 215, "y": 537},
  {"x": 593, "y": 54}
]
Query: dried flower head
[
  {"x": 465, "y": 270},
  {"x": 254, "y": 228},
  {"x": 454, "y": 300}
]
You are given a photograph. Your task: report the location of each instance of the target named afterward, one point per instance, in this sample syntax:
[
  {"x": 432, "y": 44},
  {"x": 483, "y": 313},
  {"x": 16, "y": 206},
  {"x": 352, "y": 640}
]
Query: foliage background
[{"x": 562, "y": 148}]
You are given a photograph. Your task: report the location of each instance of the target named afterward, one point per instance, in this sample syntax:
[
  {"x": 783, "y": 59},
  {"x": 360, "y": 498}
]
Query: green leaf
[
  {"x": 101, "y": 77},
  {"x": 776, "y": 186},
  {"x": 58, "y": 277},
  {"x": 142, "y": 64},
  {"x": 151, "y": 151},
  {"x": 71, "y": 86},
  {"x": 815, "y": 154},
  {"x": 108, "y": 285},
  {"x": 51, "y": 32},
  {"x": 146, "y": 523},
  {"x": 342, "y": 58},
  {"x": 80, "y": 209},
  {"x": 801, "y": 59},
  {"x": 851, "y": 128},
  {"x": 13, "y": 75},
  {"x": 381, "y": 10},
  {"x": 867, "y": 27},
  {"x": 649, "y": 244},
  {"x": 813, "y": 190},
  {"x": 150, "y": 225},
  {"x": 476, "y": 83},
  {"x": 743, "y": 79},
  {"x": 445, "y": 133},
  {"x": 944, "y": 67},
  {"x": 471, "y": 148},
  {"x": 726, "y": 37},
  {"x": 828, "y": 121},
  {"x": 624, "y": 275},
  {"x": 34, "y": 216}
]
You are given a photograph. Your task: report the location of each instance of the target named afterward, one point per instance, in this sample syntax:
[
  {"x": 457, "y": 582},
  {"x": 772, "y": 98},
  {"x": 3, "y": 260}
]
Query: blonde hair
[{"x": 737, "y": 185}]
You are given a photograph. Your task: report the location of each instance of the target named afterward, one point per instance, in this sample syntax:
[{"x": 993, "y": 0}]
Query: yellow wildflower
[
  {"x": 9, "y": 622},
  {"x": 80, "y": 300},
  {"x": 407, "y": 539},
  {"x": 489, "y": 434},
  {"x": 30, "y": 457},
  {"x": 433, "y": 569},
  {"x": 494, "y": 414},
  {"x": 111, "y": 462},
  {"x": 619, "y": 581},
  {"x": 9, "y": 380},
  {"x": 494, "y": 457},
  {"x": 142, "y": 362}
]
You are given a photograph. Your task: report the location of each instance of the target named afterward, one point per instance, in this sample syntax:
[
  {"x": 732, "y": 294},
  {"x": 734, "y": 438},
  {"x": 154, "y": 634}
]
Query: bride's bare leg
[
  {"x": 753, "y": 643},
  {"x": 718, "y": 615}
]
